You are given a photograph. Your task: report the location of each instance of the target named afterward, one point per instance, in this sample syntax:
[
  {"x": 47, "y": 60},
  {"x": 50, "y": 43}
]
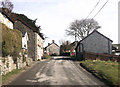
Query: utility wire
[
  {"x": 93, "y": 9},
  {"x": 101, "y": 9}
]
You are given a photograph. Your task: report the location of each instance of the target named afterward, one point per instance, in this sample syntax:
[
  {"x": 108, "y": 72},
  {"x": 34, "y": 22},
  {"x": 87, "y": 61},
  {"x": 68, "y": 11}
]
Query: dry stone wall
[{"x": 7, "y": 64}]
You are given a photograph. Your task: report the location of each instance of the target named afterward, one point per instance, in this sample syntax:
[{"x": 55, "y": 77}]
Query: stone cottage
[
  {"x": 24, "y": 24},
  {"x": 52, "y": 49},
  {"x": 6, "y": 63},
  {"x": 95, "y": 42}
]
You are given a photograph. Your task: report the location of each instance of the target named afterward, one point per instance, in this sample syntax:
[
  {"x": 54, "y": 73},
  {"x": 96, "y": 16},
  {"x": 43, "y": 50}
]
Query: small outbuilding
[{"x": 95, "y": 42}]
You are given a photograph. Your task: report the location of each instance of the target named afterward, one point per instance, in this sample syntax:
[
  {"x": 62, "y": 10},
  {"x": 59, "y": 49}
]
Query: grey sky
[{"x": 54, "y": 16}]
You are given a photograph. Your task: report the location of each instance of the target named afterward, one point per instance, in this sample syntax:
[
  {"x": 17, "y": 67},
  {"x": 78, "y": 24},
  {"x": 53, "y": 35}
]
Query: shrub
[
  {"x": 54, "y": 54},
  {"x": 38, "y": 60},
  {"x": 46, "y": 56},
  {"x": 11, "y": 41}
]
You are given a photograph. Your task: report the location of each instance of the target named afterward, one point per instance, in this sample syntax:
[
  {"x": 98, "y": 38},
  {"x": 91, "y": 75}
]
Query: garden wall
[
  {"x": 13, "y": 56},
  {"x": 105, "y": 57},
  {"x": 7, "y": 64}
]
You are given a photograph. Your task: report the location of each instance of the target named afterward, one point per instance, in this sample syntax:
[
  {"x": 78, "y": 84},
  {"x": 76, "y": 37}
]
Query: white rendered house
[
  {"x": 24, "y": 40},
  {"x": 6, "y": 20}
]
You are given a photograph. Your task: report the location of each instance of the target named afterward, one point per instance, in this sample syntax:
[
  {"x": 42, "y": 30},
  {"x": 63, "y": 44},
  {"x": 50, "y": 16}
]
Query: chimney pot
[{"x": 48, "y": 44}]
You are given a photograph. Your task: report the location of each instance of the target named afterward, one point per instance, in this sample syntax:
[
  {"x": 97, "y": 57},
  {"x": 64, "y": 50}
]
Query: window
[{"x": 25, "y": 45}]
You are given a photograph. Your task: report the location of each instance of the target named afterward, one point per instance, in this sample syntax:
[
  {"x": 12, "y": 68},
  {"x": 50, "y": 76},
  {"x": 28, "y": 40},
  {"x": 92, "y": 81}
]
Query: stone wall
[
  {"x": 7, "y": 64},
  {"x": 101, "y": 56},
  {"x": 32, "y": 38}
]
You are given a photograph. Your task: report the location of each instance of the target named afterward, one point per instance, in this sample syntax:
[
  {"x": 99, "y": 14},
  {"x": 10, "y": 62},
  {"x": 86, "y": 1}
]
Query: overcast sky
[{"x": 55, "y": 16}]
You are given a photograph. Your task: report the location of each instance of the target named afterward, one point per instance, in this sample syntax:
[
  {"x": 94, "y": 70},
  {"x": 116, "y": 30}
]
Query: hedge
[{"x": 11, "y": 41}]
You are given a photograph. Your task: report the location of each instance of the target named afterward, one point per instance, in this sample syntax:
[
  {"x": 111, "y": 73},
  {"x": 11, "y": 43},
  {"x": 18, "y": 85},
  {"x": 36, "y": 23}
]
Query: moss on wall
[{"x": 11, "y": 41}]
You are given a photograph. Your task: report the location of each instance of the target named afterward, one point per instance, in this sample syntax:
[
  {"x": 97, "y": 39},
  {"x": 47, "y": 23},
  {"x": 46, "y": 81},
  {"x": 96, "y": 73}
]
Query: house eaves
[
  {"x": 98, "y": 33},
  {"x": 51, "y": 44},
  {"x": 41, "y": 35},
  {"x": 26, "y": 24},
  {"x": 6, "y": 16},
  {"x": 15, "y": 17}
]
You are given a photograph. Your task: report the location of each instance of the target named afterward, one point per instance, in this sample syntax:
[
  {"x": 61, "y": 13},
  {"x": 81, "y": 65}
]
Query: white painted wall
[
  {"x": 24, "y": 41},
  {"x": 39, "y": 47},
  {"x": 6, "y": 21}
]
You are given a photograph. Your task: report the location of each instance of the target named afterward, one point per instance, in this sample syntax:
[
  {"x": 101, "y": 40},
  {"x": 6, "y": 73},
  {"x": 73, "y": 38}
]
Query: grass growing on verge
[
  {"x": 46, "y": 56},
  {"x": 105, "y": 70},
  {"x": 10, "y": 75}
]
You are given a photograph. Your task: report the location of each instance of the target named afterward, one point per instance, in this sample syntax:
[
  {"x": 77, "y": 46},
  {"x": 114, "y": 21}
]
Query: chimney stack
[{"x": 48, "y": 44}]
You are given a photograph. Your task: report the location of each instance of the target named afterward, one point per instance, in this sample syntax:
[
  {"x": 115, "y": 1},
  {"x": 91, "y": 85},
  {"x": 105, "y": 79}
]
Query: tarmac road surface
[{"x": 57, "y": 71}]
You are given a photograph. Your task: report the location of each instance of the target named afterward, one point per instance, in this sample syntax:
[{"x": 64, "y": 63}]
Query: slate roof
[
  {"x": 116, "y": 47},
  {"x": 74, "y": 44},
  {"x": 15, "y": 17},
  {"x": 4, "y": 13},
  {"x": 98, "y": 33},
  {"x": 41, "y": 35},
  {"x": 51, "y": 44}
]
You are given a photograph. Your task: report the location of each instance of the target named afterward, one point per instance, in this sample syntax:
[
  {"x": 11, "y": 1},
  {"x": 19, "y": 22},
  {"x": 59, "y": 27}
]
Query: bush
[
  {"x": 11, "y": 41},
  {"x": 46, "y": 56},
  {"x": 38, "y": 60},
  {"x": 54, "y": 54}
]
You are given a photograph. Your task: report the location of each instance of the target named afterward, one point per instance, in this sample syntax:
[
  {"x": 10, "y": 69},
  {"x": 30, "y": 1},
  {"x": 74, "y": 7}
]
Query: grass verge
[
  {"x": 107, "y": 71},
  {"x": 46, "y": 56},
  {"x": 10, "y": 75}
]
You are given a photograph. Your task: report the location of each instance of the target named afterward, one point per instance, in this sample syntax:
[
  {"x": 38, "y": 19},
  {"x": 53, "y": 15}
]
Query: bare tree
[
  {"x": 7, "y": 6},
  {"x": 81, "y": 28},
  {"x": 62, "y": 42}
]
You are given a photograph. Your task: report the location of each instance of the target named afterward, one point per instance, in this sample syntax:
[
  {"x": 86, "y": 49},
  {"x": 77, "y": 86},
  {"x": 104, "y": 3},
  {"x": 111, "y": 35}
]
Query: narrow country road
[{"x": 57, "y": 71}]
